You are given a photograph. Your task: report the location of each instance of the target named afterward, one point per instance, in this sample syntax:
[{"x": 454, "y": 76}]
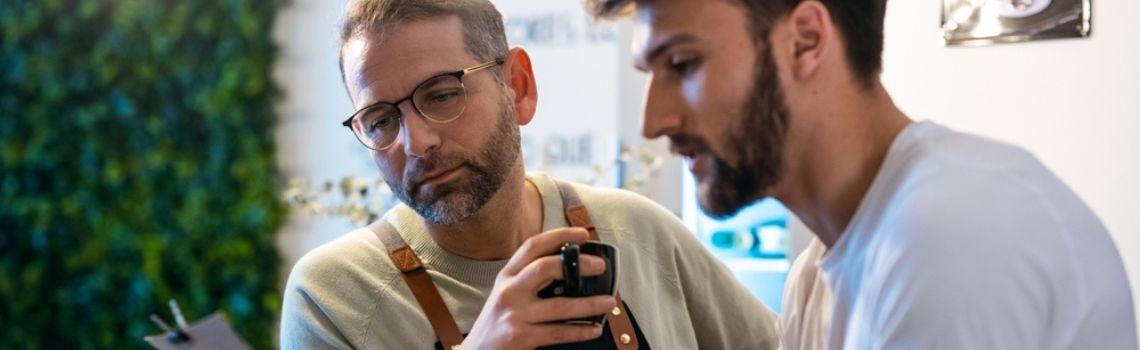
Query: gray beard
[{"x": 455, "y": 202}]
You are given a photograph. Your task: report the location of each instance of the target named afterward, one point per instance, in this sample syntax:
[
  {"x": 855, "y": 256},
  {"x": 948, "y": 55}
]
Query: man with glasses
[
  {"x": 933, "y": 239},
  {"x": 439, "y": 99}
]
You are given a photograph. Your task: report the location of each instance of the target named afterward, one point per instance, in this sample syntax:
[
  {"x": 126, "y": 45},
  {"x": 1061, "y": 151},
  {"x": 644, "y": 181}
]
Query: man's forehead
[
  {"x": 408, "y": 51},
  {"x": 660, "y": 23},
  {"x": 412, "y": 41},
  {"x": 648, "y": 43}
]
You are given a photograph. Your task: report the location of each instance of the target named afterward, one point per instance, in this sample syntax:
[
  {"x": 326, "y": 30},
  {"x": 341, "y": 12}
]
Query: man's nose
[
  {"x": 661, "y": 115},
  {"x": 420, "y": 138}
]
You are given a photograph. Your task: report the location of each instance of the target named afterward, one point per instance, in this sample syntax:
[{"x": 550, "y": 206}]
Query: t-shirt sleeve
[
  {"x": 945, "y": 292},
  {"x": 305, "y": 323},
  {"x": 724, "y": 314},
  {"x": 805, "y": 308}
]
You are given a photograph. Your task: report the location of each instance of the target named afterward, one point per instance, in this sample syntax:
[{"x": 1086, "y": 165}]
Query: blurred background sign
[{"x": 574, "y": 134}]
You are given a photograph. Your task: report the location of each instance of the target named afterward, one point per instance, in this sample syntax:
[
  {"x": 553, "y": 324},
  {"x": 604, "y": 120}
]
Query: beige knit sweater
[{"x": 346, "y": 294}]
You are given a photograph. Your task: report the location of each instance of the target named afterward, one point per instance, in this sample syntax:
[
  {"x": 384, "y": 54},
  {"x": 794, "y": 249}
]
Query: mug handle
[{"x": 570, "y": 271}]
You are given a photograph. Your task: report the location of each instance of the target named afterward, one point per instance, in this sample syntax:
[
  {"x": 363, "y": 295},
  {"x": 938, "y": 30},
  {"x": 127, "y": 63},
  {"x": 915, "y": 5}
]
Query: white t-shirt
[
  {"x": 966, "y": 243},
  {"x": 806, "y": 306}
]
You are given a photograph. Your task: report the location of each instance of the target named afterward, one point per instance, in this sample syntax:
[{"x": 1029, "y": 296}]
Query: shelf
[{"x": 746, "y": 265}]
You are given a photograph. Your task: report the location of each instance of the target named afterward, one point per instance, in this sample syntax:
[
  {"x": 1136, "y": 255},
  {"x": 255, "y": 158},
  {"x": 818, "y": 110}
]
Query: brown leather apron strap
[
  {"x": 417, "y": 278},
  {"x": 618, "y": 319}
]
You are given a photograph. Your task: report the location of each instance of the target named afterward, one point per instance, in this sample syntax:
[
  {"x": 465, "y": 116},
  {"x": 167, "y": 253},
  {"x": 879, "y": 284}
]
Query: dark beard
[
  {"x": 757, "y": 137},
  {"x": 454, "y": 202}
]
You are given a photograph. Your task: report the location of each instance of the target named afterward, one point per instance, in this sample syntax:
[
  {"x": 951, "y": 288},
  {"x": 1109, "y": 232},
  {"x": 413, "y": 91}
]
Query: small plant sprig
[{"x": 363, "y": 199}]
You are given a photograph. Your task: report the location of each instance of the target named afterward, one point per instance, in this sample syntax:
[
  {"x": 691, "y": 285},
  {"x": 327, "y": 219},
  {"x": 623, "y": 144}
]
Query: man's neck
[
  {"x": 500, "y": 227},
  {"x": 832, "y": 172}
]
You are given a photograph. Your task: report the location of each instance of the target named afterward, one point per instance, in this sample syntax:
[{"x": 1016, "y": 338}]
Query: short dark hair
[
  {"x": 860, "y": 23},
  {"x": 484, "y": 35}
]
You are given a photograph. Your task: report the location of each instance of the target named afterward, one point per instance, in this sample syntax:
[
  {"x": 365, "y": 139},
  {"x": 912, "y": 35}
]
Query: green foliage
[{"x": 136, "y": 165}]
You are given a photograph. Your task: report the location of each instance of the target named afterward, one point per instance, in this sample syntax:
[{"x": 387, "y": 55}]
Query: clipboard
[{"x": 213, "y": 332}]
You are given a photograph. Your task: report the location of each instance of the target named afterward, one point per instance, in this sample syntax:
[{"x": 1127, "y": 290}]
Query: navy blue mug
[{"x": 574, "y": 285}]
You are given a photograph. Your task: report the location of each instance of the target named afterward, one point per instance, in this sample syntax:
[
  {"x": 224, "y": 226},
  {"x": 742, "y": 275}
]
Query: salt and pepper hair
[{"x": 484, "y": 35}]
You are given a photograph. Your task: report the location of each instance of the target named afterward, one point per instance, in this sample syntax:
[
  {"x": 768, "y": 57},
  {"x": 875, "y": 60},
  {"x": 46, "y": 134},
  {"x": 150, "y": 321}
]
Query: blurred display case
[{"x": 756, "y": 244}]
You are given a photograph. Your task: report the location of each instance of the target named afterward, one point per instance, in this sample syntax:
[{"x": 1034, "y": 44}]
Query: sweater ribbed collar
[{"x": 473, "y": 272}]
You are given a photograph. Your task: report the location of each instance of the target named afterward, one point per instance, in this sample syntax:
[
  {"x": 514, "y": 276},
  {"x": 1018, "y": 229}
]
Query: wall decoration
[{"x": 985, "y": 22}]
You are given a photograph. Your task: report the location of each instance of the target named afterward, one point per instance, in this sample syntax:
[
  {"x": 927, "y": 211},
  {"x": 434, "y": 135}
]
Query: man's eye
[
  {"x": 683, "y": 65},
  {"x": 382, "y": 123},
  {"x": 443, "y": 96}
]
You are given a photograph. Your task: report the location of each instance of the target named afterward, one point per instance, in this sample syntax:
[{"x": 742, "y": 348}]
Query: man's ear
[
  {"x": 519, "y": 76},
  {"x": 809, "y": 37}
]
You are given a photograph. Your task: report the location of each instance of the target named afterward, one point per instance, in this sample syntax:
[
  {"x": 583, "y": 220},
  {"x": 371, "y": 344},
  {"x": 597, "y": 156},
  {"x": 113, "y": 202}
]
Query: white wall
[
  {"x": 1075, "y": 103},
  {"x": 311, "y": 143}
]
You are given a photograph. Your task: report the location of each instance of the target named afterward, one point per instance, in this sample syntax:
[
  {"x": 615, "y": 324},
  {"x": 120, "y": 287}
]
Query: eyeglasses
[{"x": 441, "y": 99}]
